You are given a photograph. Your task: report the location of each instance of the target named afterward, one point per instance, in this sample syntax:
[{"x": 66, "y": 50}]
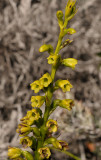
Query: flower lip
[
  {"x": 45, "y": 80},
  {"x": 44, "y": 152},
  {"x": 26, "y": 141},
  {"x": 52, "y": 125},
  {"x": 65, "y": 85},
  {"x": 63, "y": 144},
  {"x": 36, "y": 86}
]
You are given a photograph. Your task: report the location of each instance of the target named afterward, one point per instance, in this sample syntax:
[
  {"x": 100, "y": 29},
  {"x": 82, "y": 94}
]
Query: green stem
[
  {"x": 53, "y": 72},
  {"x": 67, "y": 153},
  {"x": 59, "y": 43}
]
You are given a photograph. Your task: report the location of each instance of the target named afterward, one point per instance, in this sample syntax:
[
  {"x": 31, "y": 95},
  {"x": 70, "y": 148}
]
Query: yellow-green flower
[
  {"x": 33, "y": 113},
  {"x": 44, "y": 152},
  {"x": 52, "y": 125},
  {"x": 53, "y": 59},
  {"x": 63, "y": 84},
  {"x": 69, "y": 62},
  {"x": 26, "y": 141},
  {"x": 14, "y": 152},
  {"x": 64, "y": 145},
  {"x": 45, "y": 80},
  {"x": 36, "y": 86},
  {"x": 66, "y": 103},
  {"x": 33, "y": 116},
  {"x": 37, "y": 101},
  {"x": 23, "y": 129},
  {"x": 46, "y": 47}
]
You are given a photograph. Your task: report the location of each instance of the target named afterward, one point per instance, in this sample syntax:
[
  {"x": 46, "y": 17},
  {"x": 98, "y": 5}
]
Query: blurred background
[{"x": 24, "y": 26}]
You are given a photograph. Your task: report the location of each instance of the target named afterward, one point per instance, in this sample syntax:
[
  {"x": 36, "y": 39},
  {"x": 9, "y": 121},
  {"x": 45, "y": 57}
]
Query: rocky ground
[{"x": 24, "y": 26}]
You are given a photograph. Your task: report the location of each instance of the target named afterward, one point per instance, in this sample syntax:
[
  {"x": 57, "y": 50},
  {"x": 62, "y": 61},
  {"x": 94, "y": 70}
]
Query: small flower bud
[
  {"x": 36, "y": 86},
  {"x": 63, "y": 84},
  {"x": 36, "y": 131},
  {"x": 27, "y": 155},
  {"x": 46, "y": 47},
  {"x": 14, "y": 152},
  {"x": 60, "y": 18},
  {"x": 71, "y": 31},
  {"x": 37, "y": 101},
  {"x": 45, "y": 80},
  {"x": 66, "y": 103},
  {"x": 23, "y": 129},
  {"x": 44, "y": 152},
  {"x": 54, "y": 142},
  {"x": 52, "y": 125},
  {"x": 49, "y": 141},
  {"x": 70, "y": 8},
  {"x": 26, "y": 142},
  {"x": 59, "y": 14},
  {"x": 65, "y": 43},
  {"x": 57, "y": 145},
  {"x": 69, "y": 62}
]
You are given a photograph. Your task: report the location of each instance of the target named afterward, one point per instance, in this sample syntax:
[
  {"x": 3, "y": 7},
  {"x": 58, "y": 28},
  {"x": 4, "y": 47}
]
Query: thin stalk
[
  {"x": 67, "y": 153},
  {"x": 58, "y": 44}
]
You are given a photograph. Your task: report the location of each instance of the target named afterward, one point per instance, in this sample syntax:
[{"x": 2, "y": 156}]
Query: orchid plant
[{"x": 42, "y": 139}]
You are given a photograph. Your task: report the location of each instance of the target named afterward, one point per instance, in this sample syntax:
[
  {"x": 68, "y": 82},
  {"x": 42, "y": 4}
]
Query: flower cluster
[
  {"x": 36, "y": 129},
  {"x": 44, "y": 81}
]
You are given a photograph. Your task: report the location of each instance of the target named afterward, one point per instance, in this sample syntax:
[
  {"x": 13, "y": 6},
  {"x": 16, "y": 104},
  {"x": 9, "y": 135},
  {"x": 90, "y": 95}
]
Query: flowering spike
[
  {"x": 69, "y": 62},
  {"x": 43, "y": 127},
  {"x": 63, "y": 84}
]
